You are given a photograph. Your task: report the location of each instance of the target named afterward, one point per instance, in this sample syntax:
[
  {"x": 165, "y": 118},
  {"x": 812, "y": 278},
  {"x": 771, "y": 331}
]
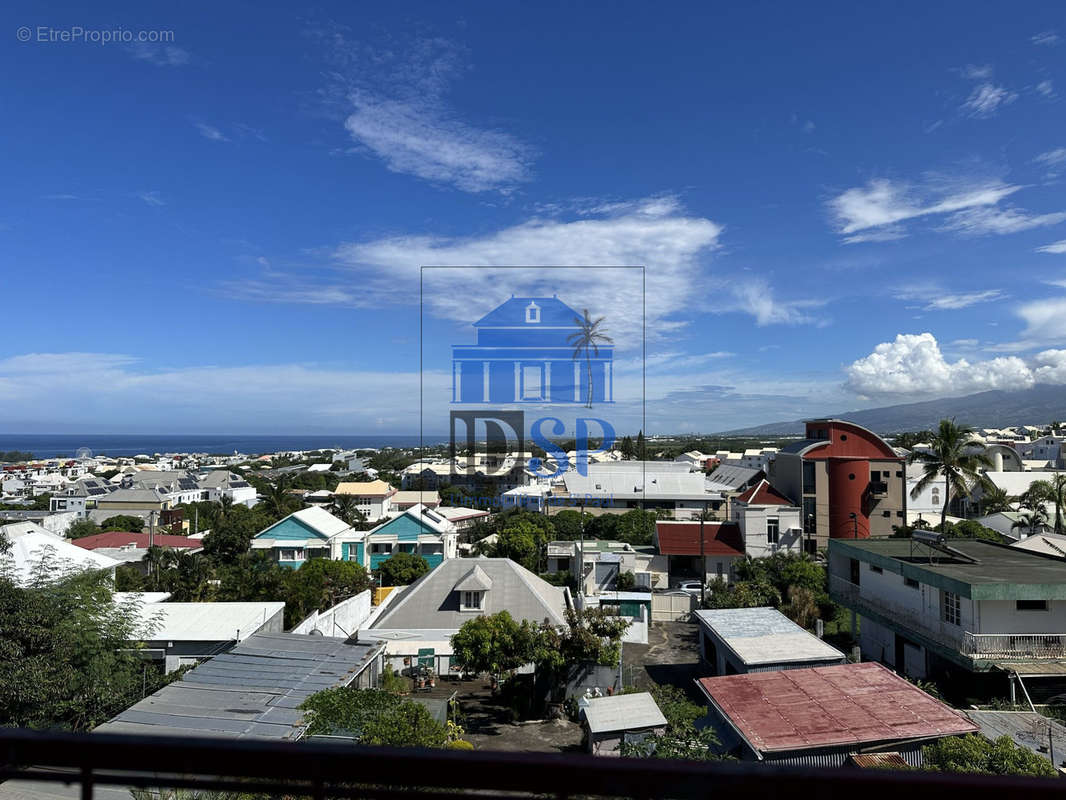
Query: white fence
[
  {"x": 672, "y": 607},
  {"x": 343, "y": 620}
]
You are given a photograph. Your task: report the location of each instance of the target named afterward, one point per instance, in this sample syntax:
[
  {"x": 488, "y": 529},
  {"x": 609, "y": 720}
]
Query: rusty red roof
[
  {"x": 683, "y": 538},
  {"x": 122, "y": 539},
  {"x": 847, "y": 704},
  {"x": 763, "y": 494}
]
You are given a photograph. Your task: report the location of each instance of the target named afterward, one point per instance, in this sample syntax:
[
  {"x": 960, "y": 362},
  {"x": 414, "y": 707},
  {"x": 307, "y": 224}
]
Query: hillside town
[{"x": 844, "y": 599}]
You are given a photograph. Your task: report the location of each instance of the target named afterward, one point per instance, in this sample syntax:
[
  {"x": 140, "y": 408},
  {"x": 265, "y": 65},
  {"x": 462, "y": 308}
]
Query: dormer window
[
  {"x": 532, "y": 312},
  {"x": 471, "y": 601}
]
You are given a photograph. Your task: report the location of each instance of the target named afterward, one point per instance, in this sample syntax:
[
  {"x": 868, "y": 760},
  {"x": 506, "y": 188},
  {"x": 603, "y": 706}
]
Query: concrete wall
[
  {"x": 671, "y": 607},
  {"x": 1000, "y": 616},
  {"x": 344, "y": 619}
]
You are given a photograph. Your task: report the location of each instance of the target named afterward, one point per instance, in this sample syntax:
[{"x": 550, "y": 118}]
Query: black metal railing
[{"x": 321, "y": 770}]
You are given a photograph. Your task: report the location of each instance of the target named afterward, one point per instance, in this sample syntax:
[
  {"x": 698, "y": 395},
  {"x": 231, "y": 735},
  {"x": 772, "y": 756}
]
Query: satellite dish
[{"x": 83, "y": 453}]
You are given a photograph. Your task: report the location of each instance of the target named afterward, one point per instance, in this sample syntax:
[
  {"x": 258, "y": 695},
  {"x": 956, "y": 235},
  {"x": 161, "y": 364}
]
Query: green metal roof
[{"x": 1004, "y": 573}]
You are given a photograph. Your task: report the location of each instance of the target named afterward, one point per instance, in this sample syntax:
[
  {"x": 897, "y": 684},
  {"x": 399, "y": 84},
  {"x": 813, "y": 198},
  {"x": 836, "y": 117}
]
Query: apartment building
[
  {"x": 849, "y": 482},
  {"x": 959, "y": 609}
]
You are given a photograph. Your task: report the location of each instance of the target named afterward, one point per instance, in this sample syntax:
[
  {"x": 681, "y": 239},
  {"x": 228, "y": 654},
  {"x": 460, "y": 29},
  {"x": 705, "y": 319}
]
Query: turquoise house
[
  {"x": 310, "y": 533},
  {"x": 419, "y": 531}
]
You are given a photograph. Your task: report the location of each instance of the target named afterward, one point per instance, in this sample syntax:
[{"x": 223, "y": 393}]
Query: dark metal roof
[
  {"x": 253, "y": 690},
  {"x": 801, "y": 445}
]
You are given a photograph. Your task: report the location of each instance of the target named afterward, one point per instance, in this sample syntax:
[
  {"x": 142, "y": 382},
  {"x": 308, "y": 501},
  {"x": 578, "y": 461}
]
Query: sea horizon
[{"x": 60, "y": 445}]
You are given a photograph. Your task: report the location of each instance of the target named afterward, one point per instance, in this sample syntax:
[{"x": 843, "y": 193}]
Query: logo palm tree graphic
[{"x": 588, "y": 341}]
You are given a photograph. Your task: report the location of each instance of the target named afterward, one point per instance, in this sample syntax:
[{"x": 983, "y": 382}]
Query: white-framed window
[
  {"x": 471, "y": 601},
  {"x": 532, "y": 312},
  {"x": 773, "y": 530},
  {"x": 292, "y": 554},
  {"x": 379, "y": 548},
  {"x": 950, "y": 608}
]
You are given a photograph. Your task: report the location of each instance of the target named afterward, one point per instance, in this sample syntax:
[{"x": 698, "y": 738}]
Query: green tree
[
  {"x": 974, "y": 753},
  {"x": 681, "y": 739},
  {"x": 321, "y": 583},
  {"x": 494, "y": 643},
  {"x": 67, "y": 655},
  {"x": 401, "y": 569},
  {"x": 82, "y": 528},
  {"x": 641, "y": 450},
  {"x": 123, "y": 522},
  {"x": 1031, "y": 520},
  {"x": 1058, "y": 498},
  {"x": 373, "y": 717},
  {"x": 636, "y": 527},
  {"x": 277, "y": 501},
  {"x": 523, "y": 543},
  {"x": 588, "y": 341},
  {"x": 345, "y": 507},
  {"x": 954, "y": 456},
  {"x": 627, "y": 448},
  {"x": 568, "y": 524},
  {"x": 994, "y": 499}
]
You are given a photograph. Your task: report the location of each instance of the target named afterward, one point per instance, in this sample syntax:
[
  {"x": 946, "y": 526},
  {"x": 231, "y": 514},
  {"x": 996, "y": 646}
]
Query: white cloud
[
  {"x": 211, "y": 132},
  {"x": 1046, "y": 38},
  {"x": 935, "y": 298},
  {"x": 393, "y": 100},
  {"x": 874, "y": 212},
  {"x": 1050, "y": 366},
  {"x": 152, "y": 198},
  {"x": 756, "y": 297},
  {"x": 913, "y": 365},
  {"x": 1045, "y": 320},
  {"x": 975, "y": 72},
  {"x": 1052, "y": 157},
  {"x": 418, "y": 139},
  {"x": 1054, "y": 247},
  {"x": 982, "y": 221},
  {"x": 1046, "y": 88},
  {"x": 986, "y": 99},
  {"x": 160, "y": 54}
]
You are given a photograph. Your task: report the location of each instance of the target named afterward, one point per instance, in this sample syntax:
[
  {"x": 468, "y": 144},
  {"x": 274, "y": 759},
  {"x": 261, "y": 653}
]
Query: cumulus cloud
[
  {"x": 913, "y": 365},
  {"x": 862, "y": 213},
  {"x": 1045, "y": 320}
]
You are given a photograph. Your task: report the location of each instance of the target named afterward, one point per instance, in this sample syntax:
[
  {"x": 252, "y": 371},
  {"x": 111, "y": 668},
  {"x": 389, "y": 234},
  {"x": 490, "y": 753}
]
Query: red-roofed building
[
  {"x": 849, "y": 482},
  {"x": 139, "y": 541},
  {"x": 823, "y": 715},
  {"x": 679, "y": 541},
  {"x": 769, "y": 522}
]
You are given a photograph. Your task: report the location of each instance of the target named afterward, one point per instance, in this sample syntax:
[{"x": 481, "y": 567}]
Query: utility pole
[
  {"x": 703, "y": 561},
  {"x": 151, "y": 538}
]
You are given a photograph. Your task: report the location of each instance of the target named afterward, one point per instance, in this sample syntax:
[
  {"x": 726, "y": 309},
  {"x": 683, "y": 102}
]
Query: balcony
[
  {"x": 877, "y": 488},
  {"x": 974, "y": 646},
  {"x": 320, "y": 770}
]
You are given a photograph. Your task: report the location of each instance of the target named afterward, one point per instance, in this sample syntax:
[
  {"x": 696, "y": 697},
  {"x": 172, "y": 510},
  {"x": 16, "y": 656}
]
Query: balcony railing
[
  {"x": 294, "y": 770},
  {"x": 986, "y": 646}
]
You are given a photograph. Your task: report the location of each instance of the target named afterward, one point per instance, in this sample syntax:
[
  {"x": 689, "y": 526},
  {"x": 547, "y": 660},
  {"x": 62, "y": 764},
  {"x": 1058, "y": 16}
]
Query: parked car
[{"x": 693, "y": 588}]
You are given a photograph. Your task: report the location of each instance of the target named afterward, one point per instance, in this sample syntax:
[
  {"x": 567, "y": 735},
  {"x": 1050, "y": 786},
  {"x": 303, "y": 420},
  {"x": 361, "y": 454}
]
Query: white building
[
  {"x": 31, "y": 545},
  {"x": 769, "y": 522},
  {"x": 372, "y": 498}
]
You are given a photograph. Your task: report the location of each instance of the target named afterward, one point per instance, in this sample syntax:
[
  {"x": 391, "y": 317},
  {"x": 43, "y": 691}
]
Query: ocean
[{"x": 62, "y": 445}]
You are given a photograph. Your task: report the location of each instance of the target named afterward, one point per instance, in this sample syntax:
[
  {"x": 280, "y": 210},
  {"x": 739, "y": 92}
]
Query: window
[
  {"x": 531, "y": 383},
  {"x": 886, "y": 513},
  {"x": 910, "y": 582},
  {"x": 719, "y": 569},
  {"x": 532, "y": 312},
  {"x": 808, "y": 477},
  {"x": 291, "y": 554},
  {"x": 381, "y": 547},
  {"x": 471, "y": 601},
  {"x": 854, "y": 571},
  {"x": 875, "y": 475},
  {"x": 876, "y": 570},
  {"x": 810, "y": 519},
  {"x": 773, "y": 530},
  {"x": 1030, "y": 605},
  {"x": 950, "y": 608}
]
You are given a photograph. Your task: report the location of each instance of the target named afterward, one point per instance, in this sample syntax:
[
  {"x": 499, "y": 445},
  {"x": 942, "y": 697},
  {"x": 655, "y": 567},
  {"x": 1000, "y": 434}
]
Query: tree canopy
[
  {"x": 373, "y": 717},
  {"x": 401, "y": 569},
  {"x": 974, "y": 753}
]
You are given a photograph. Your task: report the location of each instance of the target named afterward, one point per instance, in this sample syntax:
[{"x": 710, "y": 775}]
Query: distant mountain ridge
[{"x": 993, "y": 409}]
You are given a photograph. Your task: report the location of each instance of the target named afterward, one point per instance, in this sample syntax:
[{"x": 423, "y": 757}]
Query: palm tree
[
  {"x": 957, "y": 457},
  {"x": 1058, "y": 497},
  {"x": 345, "y": 508},
  {"x": 277, "y": 499},
  {"x": 994, "y": 499},
  {"x": 588, "y": 341},
  {"x": 1032, "y": 519}
]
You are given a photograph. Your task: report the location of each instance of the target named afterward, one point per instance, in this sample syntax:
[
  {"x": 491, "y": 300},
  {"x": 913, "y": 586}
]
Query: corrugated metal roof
[
  {"x": 623, "y": 712},
  {"x": 849, "y": 704},
  {"x": 766, "y": 636},
  {"x": 683, "y": 538},
  {"x": 253, "y": 690},
  {"x": 878, "y": 761}
]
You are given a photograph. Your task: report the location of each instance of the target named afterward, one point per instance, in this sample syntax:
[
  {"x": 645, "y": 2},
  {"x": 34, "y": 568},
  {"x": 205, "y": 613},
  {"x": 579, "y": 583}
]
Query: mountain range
[{"x": 998, "y": 408}]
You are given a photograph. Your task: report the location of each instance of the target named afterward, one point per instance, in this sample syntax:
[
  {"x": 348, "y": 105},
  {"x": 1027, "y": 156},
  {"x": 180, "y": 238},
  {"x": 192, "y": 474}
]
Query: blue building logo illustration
[{"x": 534, "y": 350}]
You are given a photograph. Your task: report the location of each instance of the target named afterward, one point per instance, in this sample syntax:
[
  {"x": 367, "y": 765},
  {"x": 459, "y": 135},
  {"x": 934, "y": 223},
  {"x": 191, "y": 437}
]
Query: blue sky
[{"x": 223, "y": 233}]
